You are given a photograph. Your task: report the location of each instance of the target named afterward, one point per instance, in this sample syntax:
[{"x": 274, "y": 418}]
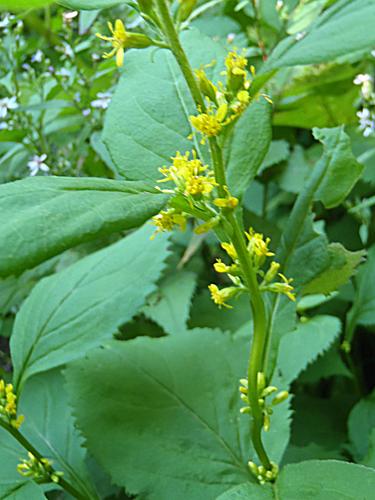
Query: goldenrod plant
[{"x": 187, "y": 249}]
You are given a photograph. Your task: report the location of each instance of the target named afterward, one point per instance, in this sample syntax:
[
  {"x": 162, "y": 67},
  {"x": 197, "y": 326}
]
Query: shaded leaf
[{"x": 76, "y": 309}]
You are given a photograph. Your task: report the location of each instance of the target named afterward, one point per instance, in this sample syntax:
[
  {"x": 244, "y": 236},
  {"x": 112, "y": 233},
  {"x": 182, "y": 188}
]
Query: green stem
[
  {"x": 25, "y": 443},
  {"x": 237, "y": 237}
]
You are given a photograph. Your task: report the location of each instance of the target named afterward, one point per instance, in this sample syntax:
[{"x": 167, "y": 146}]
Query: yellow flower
[
  {"x": 283, "y": 287},
  {"x": 230, "y": 202},
  {"x": 229, "y": 248},
  {"x": 118, "y": 40},
  {"x": 221, "y": 267},
  {"x": 196, "y": 185},
  {"x": 221, "y": 296},
  {"x": 8, "y": 405},
  {"x": 236, "y": 63},
  {"x": 258, "y": 247},
  {"x": 166, "y": 220},
  {"x": 272, "y": 272},
  {"x": 210, "y": 124}
]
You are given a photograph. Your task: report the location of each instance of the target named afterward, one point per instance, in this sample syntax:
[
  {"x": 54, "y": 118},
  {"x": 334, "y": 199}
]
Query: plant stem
[
  {"x": 236, "y": 235},
  {"x": 29, "y": 447}
]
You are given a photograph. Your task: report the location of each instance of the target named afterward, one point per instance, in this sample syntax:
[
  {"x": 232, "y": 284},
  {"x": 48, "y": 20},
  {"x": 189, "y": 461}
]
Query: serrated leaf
[
  {"x": 301, "y": 346},
  {"x": 342, "y": 266},
  {"x": 312, "y": 480},
  {"x": 49, "y": 426},
  {"x": 342, "y": 171},
  {"x": 75, "y": 310},
  {"x": 360, "y": 424},
  {"x": 248, "y": 146},
  {"x": 148, "y": 119},
  {"x": 42, "y": 216},
  {"x": 159, "y": 432},
  {"x": 324, "y": 41},
  {"x": 169, "y": 307}
]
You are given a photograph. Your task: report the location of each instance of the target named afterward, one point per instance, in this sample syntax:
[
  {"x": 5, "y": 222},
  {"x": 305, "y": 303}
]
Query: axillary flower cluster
[
  {"x": 8, "y": 406},
  {"x": 269, "y": 281},
  {"x": 225, "y": 102},
  {"x": 38, "y": 469}
]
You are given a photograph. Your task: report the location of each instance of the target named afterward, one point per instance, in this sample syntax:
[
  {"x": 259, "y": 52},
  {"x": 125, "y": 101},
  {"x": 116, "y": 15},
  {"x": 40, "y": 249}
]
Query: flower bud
[{"x": 280, "y": 397}]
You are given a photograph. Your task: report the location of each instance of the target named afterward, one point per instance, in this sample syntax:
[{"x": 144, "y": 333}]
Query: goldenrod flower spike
[{"x": 221, "y": 296}]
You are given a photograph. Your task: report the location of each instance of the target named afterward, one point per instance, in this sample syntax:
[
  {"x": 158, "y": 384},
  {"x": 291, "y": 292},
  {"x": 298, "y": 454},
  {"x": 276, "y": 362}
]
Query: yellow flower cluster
[
  {"x": 166, "y": 220},
  {"x": 263, "y": 391},
  {"x": 258, "y": 251},
  {"x": 8, "y": 406},
  {"x": 190, "y": 176},
  {"x": 264, "y": 476},
  {"x": 40, "y": 470},
  {"x": 225, "y": 102}
]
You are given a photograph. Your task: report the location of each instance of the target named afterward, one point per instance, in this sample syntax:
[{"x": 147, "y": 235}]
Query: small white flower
[
  {"x": 231, "y": 37},
  {"x": 37, "y": 163},
  {"x": 373, "y": 53},
  {"x": 6, "y": 104},
  {"x": 37, "y": 57},
  {"x": 300, "y": 35},
  {"x": 366, "y": 122},
  {"x": 104, "y": 98},
  {"x": 279, "y": 5},
  {"x": 5, "y": 21},
  {"x": 361, "y": 79},
  {"x": 65, "y": 73},
  {"x": 86, "y": 112},
  {"x": 69, "y": 16},
  {"x": 4, "y": 126}
]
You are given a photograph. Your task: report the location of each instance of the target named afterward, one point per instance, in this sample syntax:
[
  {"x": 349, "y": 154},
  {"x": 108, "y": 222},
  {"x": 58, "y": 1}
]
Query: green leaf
[
  {"x": 164, "y": 419},
  {"x": 169, "y": 307},
  {"x": 312, "y": 480},
  {"x": 277, "y": 152},
  {"x": 360, "y": 424},
  {"x": 40, "y": 217},
  {"x": 248, "y": 145},
  {"x": 341, "y": 267},
  {"x": 342, "y": 171},
  {"x": 89, "y": 4},
  {"x": 148, "y": 119},
  {"x": 324, "y": 41},
  {"x": 301, "y": 346},
  {"x": 10, "y": 453},
  {"x": 22, "y": 4},
  {"x": 76, "y": 309},
  {"x": 363, "y": 309},
  {"x": 49, "y": 426},
  {"x": 21, "y": 491},
  {"x": 326, "y": 480}
]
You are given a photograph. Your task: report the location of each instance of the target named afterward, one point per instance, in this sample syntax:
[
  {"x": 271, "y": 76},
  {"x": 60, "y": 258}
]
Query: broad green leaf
[
  {"x": 21, "y": 491},
  {"x": 326, "y": 480},
  {"x": 342, "y": 171},
  {"x": 369, "y": 459},
  {"x": 303, "y": 15},
  {"x": 22, "y": 4},
  {"x": 42, "y": 216},
  {"x": 10, "y": 454},
  {"x": 49, "y": 426},
  {"x": 89, "y": 4},
  {"x": 329, "y": 364},
  {"x": 312, "y": 480},
  {"x": 341, "y": 267},
  {"x": 249, "y": 144},
  {"x": 324, "y": 41},
  {"x": 170, "y": 305},
  {"x": 360, "y": 424},
  {"x": 171, "y": 436},
  {"x": 168, "y": 413},
  {"x": 363, "y": 309},
  {"x": 148, "y": 119},
  {"x": 301, "y": 346},
  {"x": 76, "y": 309}
]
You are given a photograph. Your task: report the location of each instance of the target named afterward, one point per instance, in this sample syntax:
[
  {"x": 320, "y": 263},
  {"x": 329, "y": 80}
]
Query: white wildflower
[
  {"x": 102, "y": 101},
  {"x": 37, "y": 57},
  {"x": 6, "y": 104},
  {"x": 37, "y": 163}
]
